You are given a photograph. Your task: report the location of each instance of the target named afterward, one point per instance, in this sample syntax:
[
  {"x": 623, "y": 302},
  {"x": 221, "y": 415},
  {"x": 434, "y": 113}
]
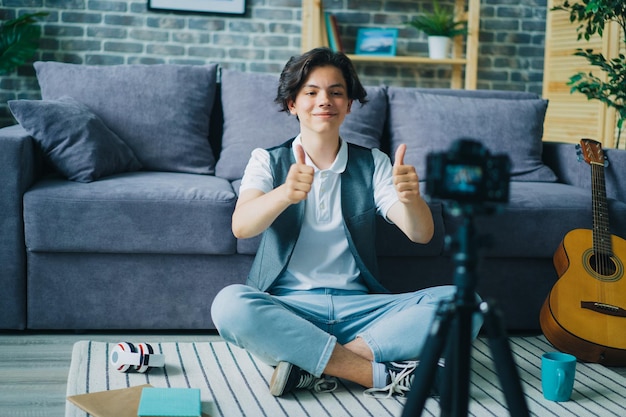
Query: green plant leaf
[
  {"x": 440, "y": 22},
  {"x": 592, "y": 16},
  {"x": 19, "y": 40}
]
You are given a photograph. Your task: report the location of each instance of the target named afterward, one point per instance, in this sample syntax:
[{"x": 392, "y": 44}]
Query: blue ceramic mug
[{"x": 558, "y": 371}]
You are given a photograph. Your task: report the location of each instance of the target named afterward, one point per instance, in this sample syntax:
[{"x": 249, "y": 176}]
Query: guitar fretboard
[{"x": 601, "y": 232}]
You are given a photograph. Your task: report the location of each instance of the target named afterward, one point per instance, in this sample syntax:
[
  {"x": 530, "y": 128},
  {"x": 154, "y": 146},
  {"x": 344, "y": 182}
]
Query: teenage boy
[{"x": 312, "y": 306}]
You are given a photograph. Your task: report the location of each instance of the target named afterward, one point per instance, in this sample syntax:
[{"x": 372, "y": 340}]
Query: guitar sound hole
[{"x": 603, "y": 265}]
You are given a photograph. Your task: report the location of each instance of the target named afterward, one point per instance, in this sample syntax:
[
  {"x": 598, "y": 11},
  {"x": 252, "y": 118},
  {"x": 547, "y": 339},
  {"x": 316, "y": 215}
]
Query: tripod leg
[
  {"x": 429, "y": 358},
  {"x": 461, "y": 364},
  {"x": 505, "y": 364}
]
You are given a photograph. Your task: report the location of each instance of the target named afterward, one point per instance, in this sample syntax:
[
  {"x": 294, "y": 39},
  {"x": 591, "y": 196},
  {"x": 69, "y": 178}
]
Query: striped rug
[{"x": 234, "y": 384}]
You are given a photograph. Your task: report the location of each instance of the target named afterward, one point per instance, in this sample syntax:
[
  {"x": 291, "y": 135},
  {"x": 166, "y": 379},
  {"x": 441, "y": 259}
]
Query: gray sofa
[{"x": 118, "y": 188}]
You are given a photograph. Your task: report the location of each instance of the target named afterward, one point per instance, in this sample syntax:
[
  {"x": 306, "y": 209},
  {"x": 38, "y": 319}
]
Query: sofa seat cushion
[
  {"x": 537, "y": 218},
  {"x": 391, "y": 241},
  {"x": 140, "y": 212}
]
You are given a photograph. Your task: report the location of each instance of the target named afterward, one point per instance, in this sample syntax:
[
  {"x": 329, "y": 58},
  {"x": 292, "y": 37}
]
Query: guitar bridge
[{"x": 603, "y": 308}]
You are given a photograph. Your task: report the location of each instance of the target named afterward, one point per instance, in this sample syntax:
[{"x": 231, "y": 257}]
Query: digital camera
[{"x": 468, "y": 174}]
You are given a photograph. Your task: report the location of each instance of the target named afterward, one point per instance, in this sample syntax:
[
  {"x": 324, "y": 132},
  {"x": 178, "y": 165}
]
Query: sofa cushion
[
  {"x": 77, "y": 143},
  {"x": 253, "y": 120},
  {"x": 432, "y": 122},
  {"x": 139, "y": 212},
  {"x": 366, "y": 122},
  {"x": 536, "y": 219},
  {"x": 392, "y": 242},
  {"x": 503, "y": 94},
  {"x": 161, "y": 111}
]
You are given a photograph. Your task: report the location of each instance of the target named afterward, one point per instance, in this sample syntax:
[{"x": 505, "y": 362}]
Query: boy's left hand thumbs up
[
  {"x": 399, "y": 158},
  {"x": 405, "y": 177}
]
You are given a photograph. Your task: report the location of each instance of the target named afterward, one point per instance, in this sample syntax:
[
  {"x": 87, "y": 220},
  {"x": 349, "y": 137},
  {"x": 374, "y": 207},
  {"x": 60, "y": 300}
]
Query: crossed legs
[{"x": 336, "y": 335}]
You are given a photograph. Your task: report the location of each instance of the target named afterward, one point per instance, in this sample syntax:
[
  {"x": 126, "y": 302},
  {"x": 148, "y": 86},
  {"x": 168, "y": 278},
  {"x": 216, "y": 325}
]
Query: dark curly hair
[{"x": 298, "y": 68}]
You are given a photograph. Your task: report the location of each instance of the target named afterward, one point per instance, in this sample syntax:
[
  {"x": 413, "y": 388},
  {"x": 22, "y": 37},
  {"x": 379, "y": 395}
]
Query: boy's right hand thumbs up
[
  {"x": 299, "y": 178},
  {"x": 300, "y": 155}
]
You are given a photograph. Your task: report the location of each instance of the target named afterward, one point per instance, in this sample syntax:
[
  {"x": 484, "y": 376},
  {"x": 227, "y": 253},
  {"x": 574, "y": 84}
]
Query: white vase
[{"x": 438, "y": 47}]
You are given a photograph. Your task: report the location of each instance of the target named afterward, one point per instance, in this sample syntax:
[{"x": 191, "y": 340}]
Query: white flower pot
[{"x": 438, "y": 47}]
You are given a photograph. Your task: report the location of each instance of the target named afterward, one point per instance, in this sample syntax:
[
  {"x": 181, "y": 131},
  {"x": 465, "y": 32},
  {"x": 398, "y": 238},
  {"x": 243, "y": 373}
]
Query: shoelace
[
  {"x": 400, "y": 382},
  {"x": 309, "y": 381},
  {"x": 325, "y": 385}
]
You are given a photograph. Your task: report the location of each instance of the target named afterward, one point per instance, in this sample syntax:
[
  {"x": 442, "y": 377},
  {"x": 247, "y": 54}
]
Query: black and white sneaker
[
  {"x": 400, "y": 376},
  {"x": 288, "y": 377}
]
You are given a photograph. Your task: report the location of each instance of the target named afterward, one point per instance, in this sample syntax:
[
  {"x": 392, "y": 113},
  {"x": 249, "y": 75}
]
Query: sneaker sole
[{"x": 280, "y": 378}]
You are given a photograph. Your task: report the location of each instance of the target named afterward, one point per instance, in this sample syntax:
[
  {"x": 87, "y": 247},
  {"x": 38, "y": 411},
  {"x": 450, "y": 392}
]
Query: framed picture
[
  {"x": 205, "y": 6},
  {"x": 373, "y": 41}
]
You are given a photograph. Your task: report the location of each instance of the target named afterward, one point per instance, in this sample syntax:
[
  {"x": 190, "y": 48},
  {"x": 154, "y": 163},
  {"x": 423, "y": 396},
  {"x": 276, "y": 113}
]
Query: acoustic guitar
[{"x": 585, "y": 312}]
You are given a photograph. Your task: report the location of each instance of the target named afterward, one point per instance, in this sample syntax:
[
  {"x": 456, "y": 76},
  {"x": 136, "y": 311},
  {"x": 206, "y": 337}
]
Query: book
[
  {"x": 170, "y": 402},
  {"x": 122, "y": 402},
  {"x": 113, "y": 403},
  {"x": 334, "y": 38},
  {"x": 335, "y": 27}
]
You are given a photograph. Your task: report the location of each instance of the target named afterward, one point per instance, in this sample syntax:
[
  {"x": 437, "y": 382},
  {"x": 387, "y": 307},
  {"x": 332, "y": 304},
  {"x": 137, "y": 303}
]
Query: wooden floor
[{"x": 34, "y": 368}]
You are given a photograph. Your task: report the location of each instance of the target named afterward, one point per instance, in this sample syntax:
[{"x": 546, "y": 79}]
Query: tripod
[{"x": 454, "y": 319}]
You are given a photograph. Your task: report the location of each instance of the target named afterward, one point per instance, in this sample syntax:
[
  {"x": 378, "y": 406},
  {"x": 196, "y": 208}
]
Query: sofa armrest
[
  {"x": 615, "y": 174},
  {"x": 563, "y": 160},
  {"x": 18, "y": 159}
]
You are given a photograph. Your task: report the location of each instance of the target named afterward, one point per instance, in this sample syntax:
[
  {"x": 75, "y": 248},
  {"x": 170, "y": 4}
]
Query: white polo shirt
[{"x": 321, "y": 257}]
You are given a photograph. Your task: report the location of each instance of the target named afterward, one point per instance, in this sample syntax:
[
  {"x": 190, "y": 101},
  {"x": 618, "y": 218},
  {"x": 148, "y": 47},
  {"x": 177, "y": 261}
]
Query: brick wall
[{"x": 101, "y": 32}]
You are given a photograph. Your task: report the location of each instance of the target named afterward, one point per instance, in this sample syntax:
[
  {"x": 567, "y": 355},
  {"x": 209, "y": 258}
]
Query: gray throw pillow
[
  {"x": 253, "y": 120},
  {"x": 161, "y": 111},
  {"x": 76, "y": 142},
  {"x": 432, "y": 122}
]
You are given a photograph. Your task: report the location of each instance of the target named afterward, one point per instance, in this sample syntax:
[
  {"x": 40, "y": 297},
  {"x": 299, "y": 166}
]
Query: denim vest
[{"x": 359, "y": 220}]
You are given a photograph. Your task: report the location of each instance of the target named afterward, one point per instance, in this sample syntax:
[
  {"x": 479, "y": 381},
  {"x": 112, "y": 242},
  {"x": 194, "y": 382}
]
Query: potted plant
[
  {"x": 19, "y": 40},
  {"x": 440, "y": 26},
  {"x": 593, "y": 15}
]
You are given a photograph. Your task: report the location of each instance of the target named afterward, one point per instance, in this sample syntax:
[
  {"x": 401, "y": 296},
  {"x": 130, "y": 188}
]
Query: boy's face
[{"x": 322, "y": 103}]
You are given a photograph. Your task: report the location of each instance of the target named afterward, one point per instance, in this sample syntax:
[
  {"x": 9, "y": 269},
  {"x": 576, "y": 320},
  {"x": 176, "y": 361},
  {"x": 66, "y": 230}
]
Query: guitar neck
[{"x": 601, "y": 233}]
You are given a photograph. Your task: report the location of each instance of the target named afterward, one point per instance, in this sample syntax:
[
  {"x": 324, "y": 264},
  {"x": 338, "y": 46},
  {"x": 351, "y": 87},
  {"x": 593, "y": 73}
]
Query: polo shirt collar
[{"x": 341, "y": 160}]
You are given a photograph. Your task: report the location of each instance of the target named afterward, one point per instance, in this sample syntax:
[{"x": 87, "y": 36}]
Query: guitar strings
[{"x": 602, "y": 246}]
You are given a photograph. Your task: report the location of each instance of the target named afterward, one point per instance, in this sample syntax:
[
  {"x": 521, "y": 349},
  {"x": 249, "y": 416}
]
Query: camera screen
[{"x": 463, "y": 179}]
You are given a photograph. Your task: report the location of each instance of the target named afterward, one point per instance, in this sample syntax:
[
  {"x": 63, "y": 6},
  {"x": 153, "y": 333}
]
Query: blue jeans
[{"x": 302, "y": 327}]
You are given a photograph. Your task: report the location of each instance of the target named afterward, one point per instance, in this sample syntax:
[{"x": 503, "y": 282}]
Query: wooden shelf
[
  {"x": 314, "y": 35},
  {"x": 407, "y": 60}
]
